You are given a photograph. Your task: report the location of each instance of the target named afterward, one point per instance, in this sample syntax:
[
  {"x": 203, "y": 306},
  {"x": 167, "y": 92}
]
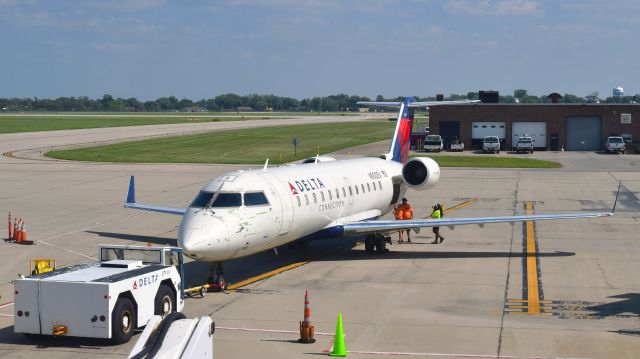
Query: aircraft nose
[
  {"x": 193, "y": 240},
  {"x": 202, "y": 239}
]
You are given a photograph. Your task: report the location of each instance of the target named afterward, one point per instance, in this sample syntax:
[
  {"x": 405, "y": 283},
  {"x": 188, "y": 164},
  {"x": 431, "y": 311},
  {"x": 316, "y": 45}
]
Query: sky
[{"x": 199, "y": 49}]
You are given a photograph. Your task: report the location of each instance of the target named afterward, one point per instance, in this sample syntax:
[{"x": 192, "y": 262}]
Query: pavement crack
[
  {"x": 604, "y": 276},
  {"x": 506, "y": 286}
]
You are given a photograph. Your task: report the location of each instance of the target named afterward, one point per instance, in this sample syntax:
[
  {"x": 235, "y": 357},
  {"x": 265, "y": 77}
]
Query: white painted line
[
  {"x": 6, "y": 304},
  {"x": 67, "y": 250},
  {"x": 269, "y": 330},
  {"x": 6, "y": 315},
  {"x": 446, "y": 355}
]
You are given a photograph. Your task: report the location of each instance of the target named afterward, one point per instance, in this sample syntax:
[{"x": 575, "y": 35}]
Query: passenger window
[
  {"x": 350, "y": 191},
  {"x": 330, "y": 197},
  {"x": 337, "y": 194},
  {"x": 227, "y": 200},
  {"x": 356, "y": 186},
  {"x": 315, "y": 199},
  {"x": 344, "y": 193},
  {"x": 299, "y": 203},
  {"x": 369, "y": 188},
  {"x": 255, "y": 199},
  {"x": 362, "y": 185},
  {"x": 380, "y": 185},
  {"x": 306, "y": 199}
]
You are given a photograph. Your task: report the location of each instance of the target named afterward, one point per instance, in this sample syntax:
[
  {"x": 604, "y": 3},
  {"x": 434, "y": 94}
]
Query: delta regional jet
[{"x": 248, "y": 211}]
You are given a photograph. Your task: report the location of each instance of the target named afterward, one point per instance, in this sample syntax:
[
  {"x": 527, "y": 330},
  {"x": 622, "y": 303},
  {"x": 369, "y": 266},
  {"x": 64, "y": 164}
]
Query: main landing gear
[
  {"x": 216, "y": 280},
  {"x": 376, "y": 243}
]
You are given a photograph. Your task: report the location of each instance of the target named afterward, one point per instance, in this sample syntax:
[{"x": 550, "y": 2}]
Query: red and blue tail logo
[{"x": 400, "y": 144}]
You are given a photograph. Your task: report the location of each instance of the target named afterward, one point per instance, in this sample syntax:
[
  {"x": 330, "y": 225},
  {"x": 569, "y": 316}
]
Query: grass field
[
  {"x": 247, "y": 146},
  {"x": 486, "y": 161},
  {"x": 11, "y": 123}
]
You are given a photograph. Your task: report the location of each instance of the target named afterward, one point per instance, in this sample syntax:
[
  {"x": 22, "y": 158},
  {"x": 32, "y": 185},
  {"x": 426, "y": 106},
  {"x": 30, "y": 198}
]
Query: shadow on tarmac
[
  {"x": 136, "y": 238},
  {"x": 7, "y": 336},
  {"x": 630, "y": 305}
]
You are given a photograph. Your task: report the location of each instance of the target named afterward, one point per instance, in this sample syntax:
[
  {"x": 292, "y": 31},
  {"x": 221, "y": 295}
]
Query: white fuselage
[{"x": 304, "y": 201}]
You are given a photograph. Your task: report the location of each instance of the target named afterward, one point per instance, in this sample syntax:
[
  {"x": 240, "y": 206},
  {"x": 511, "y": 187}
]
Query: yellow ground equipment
[{"x": 39, "y": 266}]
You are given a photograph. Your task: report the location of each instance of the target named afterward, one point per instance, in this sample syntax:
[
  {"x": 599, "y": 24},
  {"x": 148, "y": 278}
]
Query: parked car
[
  {"x": 524, "y": 144},
  {"x": 614, "y": 144},
  {"x": 491, "y": 144},
  {"x": 433, "y": 143},
  {"x": 456, "y": 145}
]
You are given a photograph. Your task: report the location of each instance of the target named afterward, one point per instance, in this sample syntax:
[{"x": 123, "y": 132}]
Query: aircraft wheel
[
  {"x": 381, "y": 245},
  {"x": 368, "y": 245}
]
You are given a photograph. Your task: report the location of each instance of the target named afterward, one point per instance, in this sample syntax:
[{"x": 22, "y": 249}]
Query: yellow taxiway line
[{"x": 533, "y": 292}]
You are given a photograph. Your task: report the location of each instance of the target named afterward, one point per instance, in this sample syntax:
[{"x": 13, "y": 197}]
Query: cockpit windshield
[
  {"x": 255, "y": 199},
  {"x": 227, "y": 200},
  {"x": 202, "y": 199}
]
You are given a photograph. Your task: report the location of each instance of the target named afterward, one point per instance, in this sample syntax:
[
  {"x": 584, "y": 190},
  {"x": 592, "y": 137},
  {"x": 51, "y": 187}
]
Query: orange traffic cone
[
  {"x": 19, "y": 235},
  {"x": 15, "y": 229},
  {"x": 306, "y": 329},
  {"x": 9, "y": 238},
  {"x": 23, "y": 230},
  {"x": 307, "y": 310}
]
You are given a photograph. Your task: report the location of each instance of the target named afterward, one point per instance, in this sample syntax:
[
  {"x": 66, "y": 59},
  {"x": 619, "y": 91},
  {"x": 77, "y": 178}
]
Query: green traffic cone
[{"x": 339, "y": 349}]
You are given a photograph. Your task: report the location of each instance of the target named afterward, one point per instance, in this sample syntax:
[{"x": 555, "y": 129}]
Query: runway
[{"x": 469, "y": 297}]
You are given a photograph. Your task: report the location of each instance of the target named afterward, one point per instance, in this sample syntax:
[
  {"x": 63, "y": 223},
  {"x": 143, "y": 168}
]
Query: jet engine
[{"x": 421, "y": 173}]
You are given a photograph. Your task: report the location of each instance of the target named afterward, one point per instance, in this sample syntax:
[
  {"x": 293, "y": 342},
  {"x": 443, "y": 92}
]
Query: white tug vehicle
[{"x": 107, "y": 299}]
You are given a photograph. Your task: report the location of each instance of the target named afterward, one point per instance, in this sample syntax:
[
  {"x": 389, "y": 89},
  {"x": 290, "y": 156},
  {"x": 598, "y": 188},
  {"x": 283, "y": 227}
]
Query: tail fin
[{"x": 399, "y": 150}]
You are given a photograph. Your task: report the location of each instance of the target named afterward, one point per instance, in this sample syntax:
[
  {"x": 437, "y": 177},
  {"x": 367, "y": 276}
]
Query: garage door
[
  {"x": 535, "y": 130},
  {"x": 481, "y": 129},
  {"x": 584, "y": 133},
  {"x": 449, "y": 130}
]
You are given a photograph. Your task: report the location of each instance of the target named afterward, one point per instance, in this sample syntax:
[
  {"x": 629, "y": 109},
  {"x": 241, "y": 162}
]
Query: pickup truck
[
  {"x": 456, "y": 145},
  {"x": 433, "y": 143},
  {"x": 107, "y": 299},
  {"x": 524, "y": 144},
  {"x": 491, "y": 144},
  {"x": 614, "y": 144}
]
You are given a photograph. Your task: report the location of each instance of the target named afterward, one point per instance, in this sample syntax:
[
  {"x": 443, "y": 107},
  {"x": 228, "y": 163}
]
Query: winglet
[
  {"x": 613, "y": 210},
  {"x": 131, "y": 195}
]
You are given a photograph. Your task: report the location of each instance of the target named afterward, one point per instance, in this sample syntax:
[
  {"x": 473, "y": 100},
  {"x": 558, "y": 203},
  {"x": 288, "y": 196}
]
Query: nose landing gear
[{"x": 216, "y": 280}]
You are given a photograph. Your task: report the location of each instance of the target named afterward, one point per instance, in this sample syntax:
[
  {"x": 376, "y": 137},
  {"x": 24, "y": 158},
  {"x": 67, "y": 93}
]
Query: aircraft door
[
  {"x": 283, "y": 207},
  {"x": 350, "y": 196}
]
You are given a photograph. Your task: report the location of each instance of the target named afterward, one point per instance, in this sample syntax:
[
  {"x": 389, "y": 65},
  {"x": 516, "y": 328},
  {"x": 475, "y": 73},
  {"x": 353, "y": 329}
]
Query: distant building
[
  {"x": 244, "y": 109},
  {"x": 574, "y": 127},
  {"x": 618, "y": 92}
]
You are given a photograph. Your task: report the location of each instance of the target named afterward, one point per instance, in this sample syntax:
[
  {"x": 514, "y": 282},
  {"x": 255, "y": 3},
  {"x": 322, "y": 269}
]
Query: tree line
[{"x": 254, "y": 102}]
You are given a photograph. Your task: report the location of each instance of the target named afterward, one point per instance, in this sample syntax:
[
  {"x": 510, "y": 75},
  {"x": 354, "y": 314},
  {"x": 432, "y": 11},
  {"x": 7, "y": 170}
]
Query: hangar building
[{"x": 574, "y": 127}]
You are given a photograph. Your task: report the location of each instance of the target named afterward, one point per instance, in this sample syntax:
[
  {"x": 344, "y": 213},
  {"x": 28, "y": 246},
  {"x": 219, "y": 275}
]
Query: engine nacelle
[{"x": 421, "y": 173}]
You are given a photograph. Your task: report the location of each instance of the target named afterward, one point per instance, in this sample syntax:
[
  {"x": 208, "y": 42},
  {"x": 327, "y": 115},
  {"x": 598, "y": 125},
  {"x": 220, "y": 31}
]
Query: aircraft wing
[
  {"x": 365, "y": 227},
  {"x": 131, "y": 203}
]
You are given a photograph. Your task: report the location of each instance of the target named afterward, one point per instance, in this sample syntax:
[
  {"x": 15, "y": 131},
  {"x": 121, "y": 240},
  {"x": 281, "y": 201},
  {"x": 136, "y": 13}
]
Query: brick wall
[{"x": 553, "y": 114}]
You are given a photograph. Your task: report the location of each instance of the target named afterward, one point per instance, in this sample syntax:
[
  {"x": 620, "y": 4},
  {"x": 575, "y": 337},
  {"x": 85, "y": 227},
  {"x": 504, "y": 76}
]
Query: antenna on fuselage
[
  {"x": 317, "y": 157},
  {"x": 266, "y": 163}
]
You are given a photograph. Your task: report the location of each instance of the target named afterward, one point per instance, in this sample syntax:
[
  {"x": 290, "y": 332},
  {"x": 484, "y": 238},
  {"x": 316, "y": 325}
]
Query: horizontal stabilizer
[
  {"x": 415, "y": 104},
  {"x": 131, "y": 203}
]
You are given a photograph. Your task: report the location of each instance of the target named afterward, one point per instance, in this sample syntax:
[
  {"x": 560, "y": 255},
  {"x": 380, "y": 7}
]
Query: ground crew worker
[
  {"x": 407, "y": 213},
  {"x": 437, "y": 214},
  {"x": 399, "y": 216}
]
